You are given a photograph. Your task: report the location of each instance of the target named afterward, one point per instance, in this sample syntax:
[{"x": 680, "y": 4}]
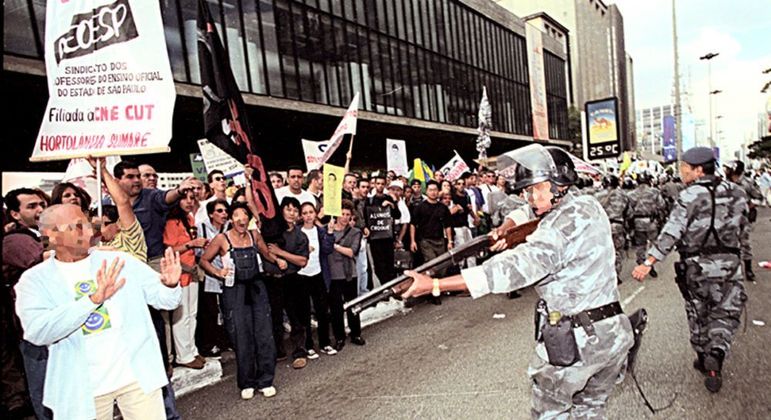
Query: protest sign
[
  {"x": 380, "y": 223},
  {"x": 396, "y": 155},
  {"x": 313, "y": 151},
  {"x": 109, "y": 80},
  {"x": 198, "y": 167},
  {"x": 453, "y": 169},
  {"x": 215, "y": 158},
  {"x": 333, "y": 189}
]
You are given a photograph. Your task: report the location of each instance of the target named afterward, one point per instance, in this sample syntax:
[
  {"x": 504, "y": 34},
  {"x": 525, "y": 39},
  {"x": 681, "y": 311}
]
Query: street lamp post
[{"x": 709, "y": 57}]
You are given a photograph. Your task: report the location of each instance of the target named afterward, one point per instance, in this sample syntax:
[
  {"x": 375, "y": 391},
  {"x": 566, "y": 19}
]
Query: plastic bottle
[{"x": 230, "y": 277}]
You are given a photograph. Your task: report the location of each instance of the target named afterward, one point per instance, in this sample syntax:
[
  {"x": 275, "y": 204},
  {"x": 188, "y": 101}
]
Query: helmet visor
[{"x": 526, "y": 166}]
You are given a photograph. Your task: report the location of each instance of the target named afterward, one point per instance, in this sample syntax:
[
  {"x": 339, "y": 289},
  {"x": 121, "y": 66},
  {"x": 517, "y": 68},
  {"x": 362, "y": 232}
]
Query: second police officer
[{"x": 705, "y": 225}]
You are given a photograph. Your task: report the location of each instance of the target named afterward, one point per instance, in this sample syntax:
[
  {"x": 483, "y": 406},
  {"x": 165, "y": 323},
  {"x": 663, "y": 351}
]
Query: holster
[
  {"x": 560, "y": 342},
  {"x": 680, "y": 276}
]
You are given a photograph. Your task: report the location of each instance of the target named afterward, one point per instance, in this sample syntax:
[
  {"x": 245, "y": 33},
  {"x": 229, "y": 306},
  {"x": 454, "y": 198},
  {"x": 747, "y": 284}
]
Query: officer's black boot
[
  {"x": 653, "y": 272},
  {"x": 713, "y": 363},
  {"x": 698, "y": 364},
  {"x": 750, "y": 276}
]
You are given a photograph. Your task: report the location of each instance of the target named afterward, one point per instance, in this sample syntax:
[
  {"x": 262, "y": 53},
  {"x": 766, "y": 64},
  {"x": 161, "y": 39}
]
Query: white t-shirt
[
  {"x": 405, "y": 219},
  {"x": 314, "y": 261},
  {"x": 302, "y": 197},
  {"x": 106, "y": 352}
]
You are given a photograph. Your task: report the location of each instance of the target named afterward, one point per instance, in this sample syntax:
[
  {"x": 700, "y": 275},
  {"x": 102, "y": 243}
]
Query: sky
[{"x": 739, "y": 30}]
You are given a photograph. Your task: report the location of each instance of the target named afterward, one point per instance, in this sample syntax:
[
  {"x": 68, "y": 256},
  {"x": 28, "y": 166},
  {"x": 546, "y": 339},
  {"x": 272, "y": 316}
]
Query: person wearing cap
[
  {"x": 396, "y": 191},
  {"x": 705, "y": 225},
  {"x": 734, "y": 171},
  {"x": 569, "y": 258}
]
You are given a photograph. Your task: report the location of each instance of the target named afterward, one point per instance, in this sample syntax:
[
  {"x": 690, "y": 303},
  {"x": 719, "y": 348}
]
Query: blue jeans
[
  {"x": 361, "y": 268},
  {"x": 35, "y": 362},
  {"x": 246, "y": 311}
]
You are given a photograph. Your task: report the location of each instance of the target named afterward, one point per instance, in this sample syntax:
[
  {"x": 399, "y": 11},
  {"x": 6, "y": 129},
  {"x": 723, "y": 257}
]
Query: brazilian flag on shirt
[{"x": 99, "y": 320}]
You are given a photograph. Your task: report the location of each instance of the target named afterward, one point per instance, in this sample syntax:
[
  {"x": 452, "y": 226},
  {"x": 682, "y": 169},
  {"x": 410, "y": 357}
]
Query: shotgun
[{"x": 514, "y": 236}]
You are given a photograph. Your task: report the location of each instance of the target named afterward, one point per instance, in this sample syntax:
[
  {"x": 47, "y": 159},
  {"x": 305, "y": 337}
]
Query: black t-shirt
[
  {"x": 430, "y": 220},
  {"x": 460, "y": 219}
]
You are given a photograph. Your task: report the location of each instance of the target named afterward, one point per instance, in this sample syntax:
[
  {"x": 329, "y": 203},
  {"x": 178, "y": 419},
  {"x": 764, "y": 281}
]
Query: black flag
[{"x": 224, "y": 113}]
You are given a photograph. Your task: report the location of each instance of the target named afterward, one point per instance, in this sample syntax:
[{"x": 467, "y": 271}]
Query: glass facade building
[{"x": 422, "y": 59}]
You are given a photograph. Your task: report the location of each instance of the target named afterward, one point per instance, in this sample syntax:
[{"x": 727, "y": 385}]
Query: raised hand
[
  {"x": 106, "y": 284},
  {"x": 171, "y": 268}
]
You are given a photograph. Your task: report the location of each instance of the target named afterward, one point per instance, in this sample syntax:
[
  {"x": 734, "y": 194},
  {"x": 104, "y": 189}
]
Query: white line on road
[{"x": 632, "y": 296}]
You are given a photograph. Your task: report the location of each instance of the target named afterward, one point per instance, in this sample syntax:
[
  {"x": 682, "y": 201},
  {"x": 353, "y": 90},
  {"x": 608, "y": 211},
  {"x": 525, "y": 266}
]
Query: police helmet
[
  {"x": 610, "y": 181},
  {"x": 534, "y": 163},
  {"x": 644, "y": 178},
  {"x": 566, "y": 169}
]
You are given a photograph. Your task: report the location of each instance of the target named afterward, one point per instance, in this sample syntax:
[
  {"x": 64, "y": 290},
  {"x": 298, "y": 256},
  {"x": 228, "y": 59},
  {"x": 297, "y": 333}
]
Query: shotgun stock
[{"x": 514, "y": 236}]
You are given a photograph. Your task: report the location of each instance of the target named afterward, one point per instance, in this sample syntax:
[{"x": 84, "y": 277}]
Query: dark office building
[{"x": 419, "y": 65}]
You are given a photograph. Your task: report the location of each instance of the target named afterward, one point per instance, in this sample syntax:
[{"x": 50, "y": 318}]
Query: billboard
[
  {"x": 668, "y": 141},
  {"x": 603, "y": 134}
]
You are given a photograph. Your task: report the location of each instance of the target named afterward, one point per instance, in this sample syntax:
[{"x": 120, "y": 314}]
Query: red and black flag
[{"x": 224, "y": 113}]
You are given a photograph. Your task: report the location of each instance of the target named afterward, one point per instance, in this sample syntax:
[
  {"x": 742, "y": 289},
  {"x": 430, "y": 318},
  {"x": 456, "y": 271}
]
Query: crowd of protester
[{"x": 262, "y": 297}]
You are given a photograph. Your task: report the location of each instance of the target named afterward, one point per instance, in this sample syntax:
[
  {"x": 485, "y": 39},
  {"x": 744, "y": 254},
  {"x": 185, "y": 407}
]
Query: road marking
[{"x": 632, "y": 296}]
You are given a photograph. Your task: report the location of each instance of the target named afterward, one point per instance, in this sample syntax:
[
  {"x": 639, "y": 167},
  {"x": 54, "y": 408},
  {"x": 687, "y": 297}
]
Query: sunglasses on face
[
  {"x": 220, "y": 210},
  {"x": 218, "y": 178}
]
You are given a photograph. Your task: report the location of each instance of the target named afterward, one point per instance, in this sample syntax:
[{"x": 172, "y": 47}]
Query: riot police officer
[
  {"x": 618, "y": 207},
  {"x": 734, "y": 171},
  {"x": 647, "y": 208},
  {"x": 707, "y": 236},
  {"x": 569, "y": 258}
]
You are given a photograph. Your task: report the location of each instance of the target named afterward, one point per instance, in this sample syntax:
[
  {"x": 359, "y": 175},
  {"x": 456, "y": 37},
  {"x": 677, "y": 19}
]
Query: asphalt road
[{"x": 455, "y": 361}]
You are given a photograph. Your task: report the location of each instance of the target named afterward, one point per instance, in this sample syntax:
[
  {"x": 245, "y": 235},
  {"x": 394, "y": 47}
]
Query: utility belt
[
  {"x": 556, "y": 330},
  {"x": 710, "y": 250}
]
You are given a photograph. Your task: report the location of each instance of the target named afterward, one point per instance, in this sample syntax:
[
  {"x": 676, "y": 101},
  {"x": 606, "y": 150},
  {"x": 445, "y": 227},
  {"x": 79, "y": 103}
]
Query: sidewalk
[{"x": 186, "y": 380}]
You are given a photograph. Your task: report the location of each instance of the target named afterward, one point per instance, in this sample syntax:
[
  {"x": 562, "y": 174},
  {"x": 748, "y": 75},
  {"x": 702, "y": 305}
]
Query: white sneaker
[
  {"x": 328, "y": 350},
  {"x": 247, "y": 393},
  {"x": 312, "y": 355},
  {"x": 268, "y": 392}
]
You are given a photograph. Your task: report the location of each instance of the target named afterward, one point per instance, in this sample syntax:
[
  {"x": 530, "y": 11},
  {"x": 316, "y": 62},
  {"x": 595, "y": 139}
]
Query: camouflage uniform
[
  {"x": 647, "y": 207},
  {"x": 569, "y": 259},
  {"x": 670, "y": 191},
  {"x": 618, "y": 207},
  {"x": 499, "y": 209},
  {"x": 753, "y": 193},
  {"x": 711, "y": 277}
]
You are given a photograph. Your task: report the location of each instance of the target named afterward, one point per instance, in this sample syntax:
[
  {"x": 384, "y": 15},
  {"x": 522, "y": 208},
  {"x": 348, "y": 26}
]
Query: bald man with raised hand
[{"x": 85, "y": 304}]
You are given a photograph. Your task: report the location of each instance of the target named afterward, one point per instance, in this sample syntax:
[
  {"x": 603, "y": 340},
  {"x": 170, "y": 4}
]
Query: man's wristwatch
[
  {"x": 435, "y": 291},
  {"x": 647, "y": 263}
]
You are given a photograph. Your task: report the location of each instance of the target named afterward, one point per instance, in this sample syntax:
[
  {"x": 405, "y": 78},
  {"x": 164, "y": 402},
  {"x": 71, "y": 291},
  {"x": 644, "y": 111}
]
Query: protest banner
[
  {"x": 313, "y": 151},
  {"x": 347, "y": 126},
  {"x": 453, "y": 169},
  {"x": 225, "y": 118},
  {"x": 109, "y": 80},
  {"x": 396, "y": 156},
  {"x": 215, "y": 158},
  {"x": 333, "y": 189}
]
